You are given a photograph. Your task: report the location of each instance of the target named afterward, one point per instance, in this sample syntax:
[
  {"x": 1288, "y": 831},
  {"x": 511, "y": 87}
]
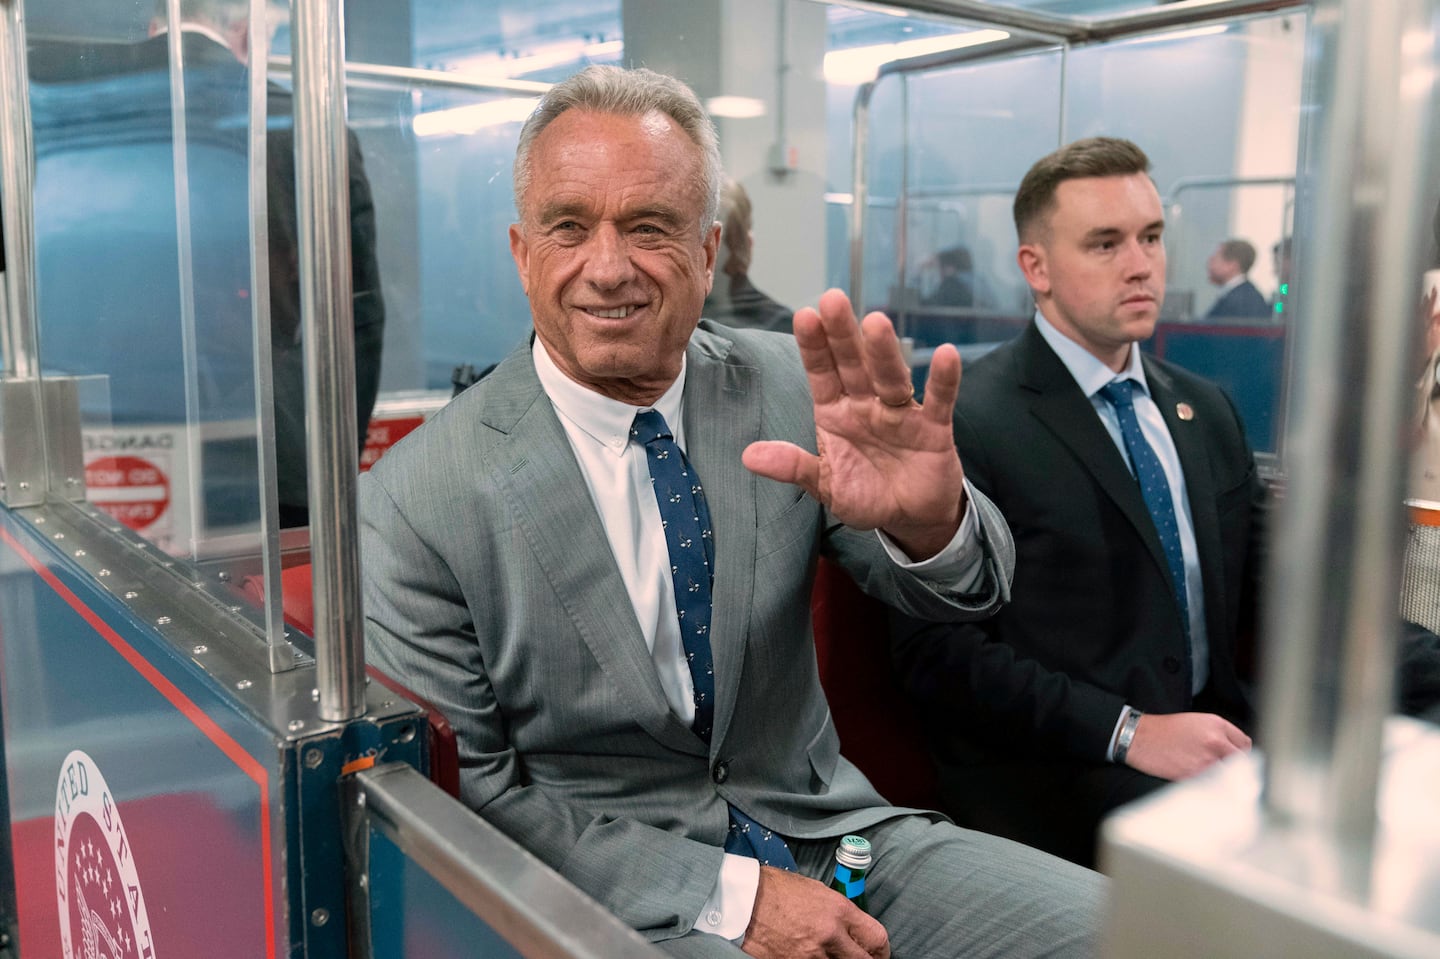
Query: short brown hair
[
  {"x": 1240, "y": 252},
  {"x": 1091, "y": 157}
]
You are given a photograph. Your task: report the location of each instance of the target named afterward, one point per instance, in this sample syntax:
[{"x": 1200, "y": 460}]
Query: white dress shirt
[
  {"x": 1091, "y": 375},
  {"x": 617, "y": 475}
]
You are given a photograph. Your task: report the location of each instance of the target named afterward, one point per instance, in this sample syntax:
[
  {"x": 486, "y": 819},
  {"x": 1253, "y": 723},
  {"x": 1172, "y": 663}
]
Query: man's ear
[
  {"x": 712, "y": 250},
  {"x": 520, "y": 250},
  {"x": 1035, "y": 266}
]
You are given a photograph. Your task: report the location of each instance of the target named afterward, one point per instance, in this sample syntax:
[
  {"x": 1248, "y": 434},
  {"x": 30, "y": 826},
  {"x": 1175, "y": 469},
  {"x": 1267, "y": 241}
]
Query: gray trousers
[{"x": 943, "y": 892}]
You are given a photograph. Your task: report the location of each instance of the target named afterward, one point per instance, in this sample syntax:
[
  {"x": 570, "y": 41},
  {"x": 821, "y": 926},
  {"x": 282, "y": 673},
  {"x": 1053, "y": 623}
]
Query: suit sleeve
[
  {"x": 419, "y": 629},
  {"x": 878, "y": 576},
  {"x": 968, "y": 683}
]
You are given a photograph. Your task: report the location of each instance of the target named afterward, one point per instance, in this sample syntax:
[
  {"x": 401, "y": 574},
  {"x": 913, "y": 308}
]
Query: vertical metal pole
[
  {"x": 326, "y": 290},
  {"x": 282, "y": 654},
  {"x": 860, "y": 195},
  {"x": 901, "y": 301},
  {"x": 1332, "y": 614},
  {"x": 23, "y": 468}
]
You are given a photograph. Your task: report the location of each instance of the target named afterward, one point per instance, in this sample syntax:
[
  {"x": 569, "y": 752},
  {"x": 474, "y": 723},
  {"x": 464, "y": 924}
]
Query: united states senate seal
[{"x": 102, "y": 909}]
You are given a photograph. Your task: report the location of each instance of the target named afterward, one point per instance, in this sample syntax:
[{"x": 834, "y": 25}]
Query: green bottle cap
[{"x": 854, "y": 851}]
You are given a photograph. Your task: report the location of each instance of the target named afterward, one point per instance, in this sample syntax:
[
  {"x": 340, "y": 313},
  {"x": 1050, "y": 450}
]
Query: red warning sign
[
  {"x": 385, "y": 432},
  {"x": 130, "y": 488}
]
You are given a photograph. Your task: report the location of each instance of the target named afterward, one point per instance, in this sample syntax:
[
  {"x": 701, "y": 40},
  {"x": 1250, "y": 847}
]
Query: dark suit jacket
[
  {"x": 748, "y": 309},
  {"x": 1093, "y": 623},
  {"x": 1243, "y": 301}
]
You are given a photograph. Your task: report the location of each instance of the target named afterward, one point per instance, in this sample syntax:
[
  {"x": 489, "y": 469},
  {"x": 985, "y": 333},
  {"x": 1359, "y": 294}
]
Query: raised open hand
[{"x": 885, "y": 461}]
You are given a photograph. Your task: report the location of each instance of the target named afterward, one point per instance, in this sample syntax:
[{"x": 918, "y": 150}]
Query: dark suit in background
[
  {"x": 1021, "y": 707},
  {"x": 1243, "y": 300}
]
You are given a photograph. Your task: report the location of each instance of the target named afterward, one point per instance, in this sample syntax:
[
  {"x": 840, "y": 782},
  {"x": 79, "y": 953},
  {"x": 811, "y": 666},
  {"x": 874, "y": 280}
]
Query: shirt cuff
[
  {"x": 960, "y": 566},
  {"x": 1115, "y": 734},
  {"x": 727, "y": 912}
]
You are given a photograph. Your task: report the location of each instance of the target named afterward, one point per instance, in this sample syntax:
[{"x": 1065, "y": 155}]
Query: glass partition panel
[
  {"x": 972, "y": 131},
  {"x": 142, "y": 217},
  {"x": 1217, "y": 108}
]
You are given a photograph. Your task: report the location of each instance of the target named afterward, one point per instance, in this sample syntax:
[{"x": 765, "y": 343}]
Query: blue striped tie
[{"x": 691, "y": 543}]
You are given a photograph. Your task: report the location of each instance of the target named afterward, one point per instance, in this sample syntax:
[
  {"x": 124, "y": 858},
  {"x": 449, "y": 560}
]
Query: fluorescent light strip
[
  {"x": 859, "y": 64},
  {"x": 461, "y": 121}
]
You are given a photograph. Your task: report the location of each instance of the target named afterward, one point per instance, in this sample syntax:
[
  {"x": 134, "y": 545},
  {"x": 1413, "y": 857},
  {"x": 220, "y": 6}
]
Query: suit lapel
[
  {"x": 714, "y": 381},
  {"x": 552, "y": 504},
  {"x": 1069, "y": 414},
  {"x": 1189, "y": 438}
]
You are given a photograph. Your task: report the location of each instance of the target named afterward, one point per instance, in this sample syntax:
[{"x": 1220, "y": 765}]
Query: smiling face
[
  {"x": 1097, "y": 265},
  {"x": 611, "y": 251}
]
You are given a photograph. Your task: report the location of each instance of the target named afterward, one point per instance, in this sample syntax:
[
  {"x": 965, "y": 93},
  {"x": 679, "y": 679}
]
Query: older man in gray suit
[{"x": 635, "y": 696}]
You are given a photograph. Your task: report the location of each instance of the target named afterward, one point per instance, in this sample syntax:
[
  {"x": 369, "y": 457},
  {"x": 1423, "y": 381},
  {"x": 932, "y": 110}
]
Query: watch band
[{"x": 1127, "y": 735}]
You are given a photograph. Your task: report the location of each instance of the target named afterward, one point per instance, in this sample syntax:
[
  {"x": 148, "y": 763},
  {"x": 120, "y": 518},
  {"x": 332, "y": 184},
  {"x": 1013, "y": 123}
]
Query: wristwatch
[{"x": 1127, "y": 735}]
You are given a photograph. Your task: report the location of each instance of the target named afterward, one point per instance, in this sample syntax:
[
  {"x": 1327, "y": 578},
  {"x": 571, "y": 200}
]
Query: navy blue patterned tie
[
  {"x": 1120, "y": 394},
  {"x": 688, "y": 537}
]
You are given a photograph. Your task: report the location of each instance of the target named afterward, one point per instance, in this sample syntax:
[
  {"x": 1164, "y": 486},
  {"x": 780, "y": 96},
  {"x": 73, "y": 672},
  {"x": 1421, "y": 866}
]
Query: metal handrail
[
  {"x": 533, "y": 908},
  {"x": 413, "y": 76}
]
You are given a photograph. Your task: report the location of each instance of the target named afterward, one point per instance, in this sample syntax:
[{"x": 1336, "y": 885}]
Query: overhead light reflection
[
  {"x": 735, "y": 108},
  {"x": 460, "y": 121},
  {"x": 859, "y": 64}
]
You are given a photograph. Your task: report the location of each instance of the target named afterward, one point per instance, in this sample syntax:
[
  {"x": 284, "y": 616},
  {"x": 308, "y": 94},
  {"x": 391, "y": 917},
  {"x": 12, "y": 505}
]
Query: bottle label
[{"x": 848, "y": 882}]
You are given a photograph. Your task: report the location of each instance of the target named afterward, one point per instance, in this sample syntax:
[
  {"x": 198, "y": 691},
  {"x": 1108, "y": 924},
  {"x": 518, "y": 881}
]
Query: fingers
[
  {"x": 785, "y": 462},
  {"x": 846, "y": 358},
  {"x": 868, "y": 934},
  {"x": 942, "y": 386},
  {"x": 1237, "y": 737}
]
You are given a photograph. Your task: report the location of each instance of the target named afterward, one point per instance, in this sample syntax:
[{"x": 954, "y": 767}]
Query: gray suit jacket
[{"x": 490, "y": 589}]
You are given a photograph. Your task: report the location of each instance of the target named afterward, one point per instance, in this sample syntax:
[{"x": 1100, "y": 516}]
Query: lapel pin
[{"x": 1184, "y": 411}]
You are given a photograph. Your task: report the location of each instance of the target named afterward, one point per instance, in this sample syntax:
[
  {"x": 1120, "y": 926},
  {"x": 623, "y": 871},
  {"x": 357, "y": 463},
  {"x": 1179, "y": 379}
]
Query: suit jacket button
[
  {"x": 721, "y": 772},
  {"x": 1171, "y": 664}
]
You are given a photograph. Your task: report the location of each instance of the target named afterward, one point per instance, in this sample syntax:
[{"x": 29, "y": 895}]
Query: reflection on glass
[{"x": 142, "y": 236}]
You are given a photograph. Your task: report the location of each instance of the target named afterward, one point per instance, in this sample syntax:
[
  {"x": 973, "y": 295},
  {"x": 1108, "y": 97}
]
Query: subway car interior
[{"x": 214, "y": 239}]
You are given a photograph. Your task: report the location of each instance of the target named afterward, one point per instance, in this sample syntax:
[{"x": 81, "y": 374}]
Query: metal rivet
[
  {"x": 244, "y": 684},
  {"x": 359, "y": 799},
  {"x": 320, "y": 916},
  {"x": 387, "y": 704},
  {"x": 234, "y": 609},
  {"x": 223, "y": 576},
  {"x": 200, "y": 649},
  {"x": 313, "y": 758},
  {"x": 131, "y": 594},
  {"x": 104, "y": 572},
  {"x": 314, "y": 695},
  {"x": 24, "y": 486},
  {"x": 296, "y": 725},
  {"x": 364, "y": 880},
  {"x": 79, "y": 553},
  {"x": 57, "y": 536},
  {"x": 163, "y": 621},
  {"x": 71, "y": 481}
]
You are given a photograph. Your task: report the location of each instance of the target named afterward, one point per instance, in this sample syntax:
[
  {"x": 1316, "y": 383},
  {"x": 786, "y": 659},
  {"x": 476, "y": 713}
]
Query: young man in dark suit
[{"x": 1113, "y": 668}]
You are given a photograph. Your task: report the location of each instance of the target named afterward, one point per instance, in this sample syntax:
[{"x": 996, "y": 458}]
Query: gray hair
[{"x": 636, "y": 92}]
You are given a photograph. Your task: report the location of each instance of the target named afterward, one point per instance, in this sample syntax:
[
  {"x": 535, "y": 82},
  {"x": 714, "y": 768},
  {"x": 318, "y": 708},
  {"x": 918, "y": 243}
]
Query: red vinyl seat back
[{"x": 879, "y": 731}]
